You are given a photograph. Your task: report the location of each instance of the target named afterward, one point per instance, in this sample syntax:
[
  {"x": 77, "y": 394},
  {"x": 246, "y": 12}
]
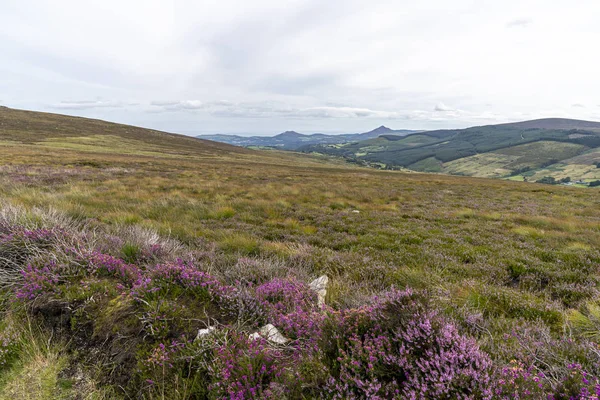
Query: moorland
[{"x": 136, "y": 264}]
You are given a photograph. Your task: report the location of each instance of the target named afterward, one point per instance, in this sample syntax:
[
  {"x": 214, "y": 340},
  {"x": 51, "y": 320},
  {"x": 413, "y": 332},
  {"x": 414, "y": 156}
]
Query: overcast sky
[{"x": 265, "y": 66}]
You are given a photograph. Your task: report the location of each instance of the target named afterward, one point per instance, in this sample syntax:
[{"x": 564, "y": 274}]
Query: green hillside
[
  {"x": 54, "y": 130},
  {"x": 497, "y": 151}
]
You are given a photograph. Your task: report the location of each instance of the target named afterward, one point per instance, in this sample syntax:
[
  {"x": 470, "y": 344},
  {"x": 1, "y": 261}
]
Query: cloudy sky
[{"x": 265, "y": 66}]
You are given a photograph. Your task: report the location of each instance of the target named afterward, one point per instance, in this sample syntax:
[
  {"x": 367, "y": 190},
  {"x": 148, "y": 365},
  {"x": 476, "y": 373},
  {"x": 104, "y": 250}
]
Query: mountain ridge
[
  {"x": 553, "y": 123},
  {"x": 292, "y": 140}
]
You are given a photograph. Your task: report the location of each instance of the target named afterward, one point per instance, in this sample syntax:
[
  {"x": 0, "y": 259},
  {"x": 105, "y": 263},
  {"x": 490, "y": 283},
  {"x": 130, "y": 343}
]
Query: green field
[
  {"x": 487, "y": 165},
  {"x": 504, "y": 162},
  {"x": 430, "y": 164}
]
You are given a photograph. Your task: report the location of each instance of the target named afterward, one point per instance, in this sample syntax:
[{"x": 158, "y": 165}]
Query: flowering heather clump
[
  {"x": 577, "y": 385},
  {"x": 536, "y": 347},
  {"x": 178, "y": 274},
  {"x": 38, "y": 281},
  {"x": 39, "y": 236},
  {"x": 287, "y": 295},
  {"x": 292, "y": 307},
  {"x": 106, "y": 265},
  {"x": 396, "y": 348},
  {"x": 519, "y": 383},
  {"x": 181, "y": 273},
  {"x": 247, "y": 369}
]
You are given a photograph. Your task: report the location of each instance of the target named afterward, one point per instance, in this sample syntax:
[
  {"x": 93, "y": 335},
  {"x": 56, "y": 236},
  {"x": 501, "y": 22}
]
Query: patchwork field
[
  {"x": 487, "y": 165},
  {"x": 508, "y": 270}
]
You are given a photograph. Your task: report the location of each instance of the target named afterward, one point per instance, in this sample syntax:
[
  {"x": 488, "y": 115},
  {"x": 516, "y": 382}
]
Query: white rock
[
  {"x": 204, "y": 332},
  {"x": 270, "y": 333},
  {"x": 319, "y": 286},
  {"x": 320, "y": 283},
  {"x": 356, "y": 211}
]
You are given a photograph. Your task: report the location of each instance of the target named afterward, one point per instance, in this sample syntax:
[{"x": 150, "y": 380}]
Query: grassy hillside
[
  {"x": 56, "y": 130},
  {"x": 505, "y": 150},
  {"x": 504, "y": 162},
  {"x": 114, "y": 256},
  {"x": 554, "y": 123}
]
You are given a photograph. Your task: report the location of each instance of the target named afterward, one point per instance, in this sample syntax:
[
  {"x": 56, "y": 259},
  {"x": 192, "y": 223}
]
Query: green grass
[
  {"x": 39, "y": 371},
  {"x": 430, "y": 164},
  {"x": 505, "y": 161},
  {"x": 487, "y": 165}
]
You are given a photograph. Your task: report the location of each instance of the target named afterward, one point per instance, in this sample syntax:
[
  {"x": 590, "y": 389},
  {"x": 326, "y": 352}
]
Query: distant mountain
[
  {"x": 291, "y": 140},
  {"x": 528, "y": 150}
]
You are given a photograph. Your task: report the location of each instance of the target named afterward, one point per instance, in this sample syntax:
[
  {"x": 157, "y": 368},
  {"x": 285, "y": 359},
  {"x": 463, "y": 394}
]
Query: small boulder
[
  {"x": 319, "y": 286},
  {"x": 270, "y": 333},
  {"x": 205, "y": 332}
]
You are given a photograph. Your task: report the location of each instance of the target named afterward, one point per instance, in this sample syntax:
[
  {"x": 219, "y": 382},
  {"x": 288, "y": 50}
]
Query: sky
[{"x": 336, "y": 66}]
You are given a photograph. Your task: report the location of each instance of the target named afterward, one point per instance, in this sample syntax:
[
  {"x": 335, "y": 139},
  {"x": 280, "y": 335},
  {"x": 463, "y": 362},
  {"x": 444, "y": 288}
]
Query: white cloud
[
  {"x": 89, "y": 104},
  {"x": 441, "y": 107},
  {"x": 342, "y": 65},
  {"x": 179, "y": 105},
  {"x": 519, "y": 23},
  {"x": 270, "y": 109}
]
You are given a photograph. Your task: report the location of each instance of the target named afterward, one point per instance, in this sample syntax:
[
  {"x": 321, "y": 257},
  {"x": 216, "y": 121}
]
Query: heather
[{"x": 172, "y": 322}]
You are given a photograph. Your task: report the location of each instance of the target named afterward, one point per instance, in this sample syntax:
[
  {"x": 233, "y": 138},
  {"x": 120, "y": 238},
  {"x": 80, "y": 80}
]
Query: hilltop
[
  {"x": 56, "y": 130},
  {"x": 291, "y": 140},
  {"x": 554, "y": 123},
  {"x": 528, "y": 150}
]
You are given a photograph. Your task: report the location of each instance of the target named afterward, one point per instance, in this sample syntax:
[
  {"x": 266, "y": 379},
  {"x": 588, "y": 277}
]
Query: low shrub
[
  {"x": 517, "y": 382},
  {"x": 398, "y": 348},
  {"x": 139, "y": 314}
]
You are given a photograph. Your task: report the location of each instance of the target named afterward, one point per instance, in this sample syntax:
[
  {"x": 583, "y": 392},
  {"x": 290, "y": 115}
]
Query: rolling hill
[
  {"x": 291, "y": 140},
  {"x": 526, "y": 150},
  {"x": 56, "y": 131}
]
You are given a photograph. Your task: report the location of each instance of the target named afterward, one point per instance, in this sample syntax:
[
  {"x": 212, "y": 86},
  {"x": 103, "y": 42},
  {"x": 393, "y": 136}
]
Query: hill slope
[
  {"x": 291, "y": 140},
  {"x": 554, "y": 123},
  {"x": 525, "y": 149},
  {"x": 30, "y": 127}
]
